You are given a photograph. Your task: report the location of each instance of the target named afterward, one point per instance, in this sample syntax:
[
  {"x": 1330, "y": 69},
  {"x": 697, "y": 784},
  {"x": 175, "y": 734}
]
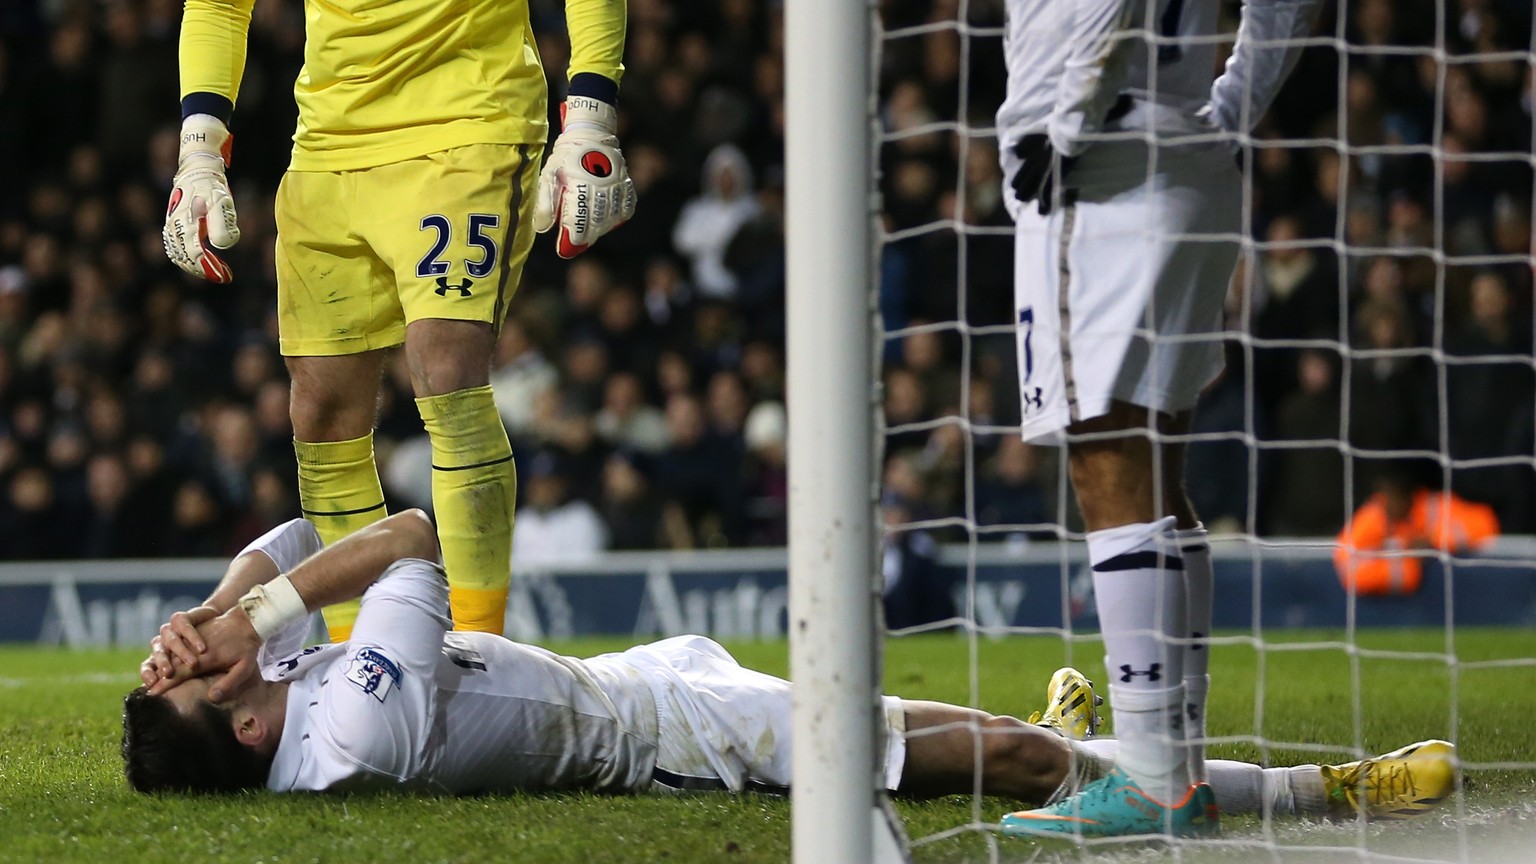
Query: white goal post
[{"x": 832, "y": 631}]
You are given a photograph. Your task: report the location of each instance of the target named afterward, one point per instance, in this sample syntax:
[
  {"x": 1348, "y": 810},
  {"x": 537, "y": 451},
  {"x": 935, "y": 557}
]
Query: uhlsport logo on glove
[{"x": 583, "y": 214}]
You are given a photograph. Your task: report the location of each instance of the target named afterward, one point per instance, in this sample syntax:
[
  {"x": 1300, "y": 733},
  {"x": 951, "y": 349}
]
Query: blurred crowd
[{"x": 145, "y": 413}]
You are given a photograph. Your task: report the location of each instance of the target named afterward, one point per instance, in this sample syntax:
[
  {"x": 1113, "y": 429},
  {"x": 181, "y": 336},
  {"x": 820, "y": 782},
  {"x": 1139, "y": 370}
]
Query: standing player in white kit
[{"x": 1117, "y": 150}]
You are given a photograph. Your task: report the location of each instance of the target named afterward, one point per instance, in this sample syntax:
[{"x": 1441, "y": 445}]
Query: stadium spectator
[
  {"x": 635, "y": 516},
  {"x": 625, "y": 331},
  {"x": 553, "y": 527},
  {"x": 905, "y": 404},
  {"x": 1296, "y": 297},
  {"x": 30, "y": 526},
  {"x": 231, "y": 465},
  {"x": 707, "y": 224},
  {"x": 198, "y": 522},
  {"x": 521, "y": 375},
  {"x": 584, "y": 372},
  {"x": 1009, "y": 493},
  {"x": 1218, "y": 470},
  {"x": 701, "y": 472},
  {"x": 766, "y": 436},
  {"x": 1308, "y": 491},
  {"x": 103, "y": 529},
  {"x": 728, "y": 404},
  {"x": 1401, "y": 517},
  {"x": 626, "y": 420},
  {"x": 762, "y": 365},
  {"x": 1392, "y": 389},
  {"x": 916, "y": 590},
  {"x": 755, "y": 257},
  {"x": 668, "y": 300},
  {"x": 922, "y": 354},
  {"x": 1482, "y": 397}
]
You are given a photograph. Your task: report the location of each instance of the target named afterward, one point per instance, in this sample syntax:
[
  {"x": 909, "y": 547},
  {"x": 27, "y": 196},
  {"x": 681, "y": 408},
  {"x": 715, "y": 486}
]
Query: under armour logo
[
  {"x": 1196, "y": 641},
  {"x": 443, "y": 287},
  {"x": 1153, "y": 674},
  {"x": 1033, "y": 400},
  {"x": 1194, "y": 711}
]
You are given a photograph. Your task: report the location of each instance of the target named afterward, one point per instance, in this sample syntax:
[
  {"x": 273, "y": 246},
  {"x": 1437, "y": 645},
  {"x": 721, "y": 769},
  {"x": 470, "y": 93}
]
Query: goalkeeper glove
[
  {"x": 201, "y": 213},
  {"x": 585, "y": 185}
]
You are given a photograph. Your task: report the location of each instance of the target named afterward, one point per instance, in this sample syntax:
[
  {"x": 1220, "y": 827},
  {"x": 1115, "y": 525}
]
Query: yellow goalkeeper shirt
[{"x": 389, "y": 80}]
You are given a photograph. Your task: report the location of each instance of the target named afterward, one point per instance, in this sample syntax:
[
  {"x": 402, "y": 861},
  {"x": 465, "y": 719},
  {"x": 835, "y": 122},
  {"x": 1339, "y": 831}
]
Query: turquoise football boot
[{"x": 1114, "y": 806}]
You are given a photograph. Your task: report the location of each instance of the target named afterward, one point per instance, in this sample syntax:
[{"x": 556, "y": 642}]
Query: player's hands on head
[
  {"x": 173, "y": 652},
  {"x": 202, "y": 642},
  {"x": 232, "y": 645},
  {"x": 201, "y": 214},
  {"x": 585, "y": 187}
]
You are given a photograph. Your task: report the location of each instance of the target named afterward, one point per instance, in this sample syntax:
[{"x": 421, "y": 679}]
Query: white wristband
[{"x": 273, "y": 606}]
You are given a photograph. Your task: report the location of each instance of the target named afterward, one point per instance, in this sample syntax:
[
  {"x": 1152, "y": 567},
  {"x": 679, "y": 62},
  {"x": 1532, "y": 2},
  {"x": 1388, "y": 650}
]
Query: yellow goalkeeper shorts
[{"x": 362, "y": 253}]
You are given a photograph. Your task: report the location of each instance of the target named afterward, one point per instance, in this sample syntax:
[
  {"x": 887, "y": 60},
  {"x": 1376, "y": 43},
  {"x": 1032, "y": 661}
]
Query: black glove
[{"x": 1040, "y": 167}]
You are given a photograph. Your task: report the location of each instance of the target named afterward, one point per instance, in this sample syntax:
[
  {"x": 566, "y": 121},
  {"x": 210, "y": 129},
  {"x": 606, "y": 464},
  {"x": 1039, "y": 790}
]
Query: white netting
[{"x": 1379, "y": 337}]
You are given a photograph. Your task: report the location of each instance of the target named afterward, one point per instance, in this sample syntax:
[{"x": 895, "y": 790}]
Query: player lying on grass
[{"x": 406, "y": 702}]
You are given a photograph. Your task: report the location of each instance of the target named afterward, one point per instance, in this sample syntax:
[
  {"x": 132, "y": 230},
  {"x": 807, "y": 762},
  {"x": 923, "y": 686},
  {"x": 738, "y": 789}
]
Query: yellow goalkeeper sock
[
  {"x": 339, "y": 491},
  {"x": 474, "y": 488}
]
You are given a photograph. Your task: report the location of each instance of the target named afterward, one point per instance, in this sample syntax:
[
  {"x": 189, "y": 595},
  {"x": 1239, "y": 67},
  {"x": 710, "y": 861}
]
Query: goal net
[{"x": 1378, "y": 354}]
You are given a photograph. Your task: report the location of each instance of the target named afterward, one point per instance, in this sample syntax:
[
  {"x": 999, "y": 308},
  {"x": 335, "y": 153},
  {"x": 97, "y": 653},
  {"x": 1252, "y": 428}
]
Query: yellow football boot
[
  {"x": 1399, "y": 785},
  {"x": 1071, "y": 708}
]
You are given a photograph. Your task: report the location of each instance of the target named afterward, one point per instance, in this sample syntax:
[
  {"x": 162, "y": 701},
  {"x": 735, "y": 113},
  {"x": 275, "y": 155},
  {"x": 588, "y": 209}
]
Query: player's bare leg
[
  {"x": 1019, "y": 761},
  {"x": 1121, "y": 477},
  {"x": 474, "y": 484},
  {"x": 1035, "y": 765},
  {"x": 333, "y": 403}
]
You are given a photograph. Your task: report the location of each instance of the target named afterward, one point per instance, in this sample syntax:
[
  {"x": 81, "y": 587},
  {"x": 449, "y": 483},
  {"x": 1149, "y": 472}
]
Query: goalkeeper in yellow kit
[{"x": 405, "y": 217}]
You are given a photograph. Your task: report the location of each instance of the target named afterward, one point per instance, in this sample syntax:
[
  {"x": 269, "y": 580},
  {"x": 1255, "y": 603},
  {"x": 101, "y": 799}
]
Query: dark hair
[{"x": 164, "y": 751}]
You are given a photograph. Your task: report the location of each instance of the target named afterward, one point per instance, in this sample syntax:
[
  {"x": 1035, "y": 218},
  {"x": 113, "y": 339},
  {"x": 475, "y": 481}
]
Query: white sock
[
  {"x": 1195, "y": 549},
  {"x": 1240, "y": 787},
  {"x": 1139, "y": 589},
  {"x": 1305, "y": 785}
]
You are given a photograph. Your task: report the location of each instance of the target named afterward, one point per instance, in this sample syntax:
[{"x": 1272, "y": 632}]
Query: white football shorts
[
  {"x": 1119, "y": 293},
  {"x": 722, "y": 726}
]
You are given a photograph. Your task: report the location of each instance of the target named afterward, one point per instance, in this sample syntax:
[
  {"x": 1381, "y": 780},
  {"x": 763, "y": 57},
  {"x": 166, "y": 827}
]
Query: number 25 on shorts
[{"x": 477, "y": 237}]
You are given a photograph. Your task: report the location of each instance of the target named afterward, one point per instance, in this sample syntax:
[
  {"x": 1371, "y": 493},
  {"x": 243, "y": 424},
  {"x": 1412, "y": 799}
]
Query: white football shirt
[
  {"x": 1066, "y": 69},
  {"x": 406, "y": 702}
]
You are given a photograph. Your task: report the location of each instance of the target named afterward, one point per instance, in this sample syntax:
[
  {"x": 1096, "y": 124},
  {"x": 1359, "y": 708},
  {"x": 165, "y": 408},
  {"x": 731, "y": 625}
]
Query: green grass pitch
[{"x": 62, "y": 797}]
